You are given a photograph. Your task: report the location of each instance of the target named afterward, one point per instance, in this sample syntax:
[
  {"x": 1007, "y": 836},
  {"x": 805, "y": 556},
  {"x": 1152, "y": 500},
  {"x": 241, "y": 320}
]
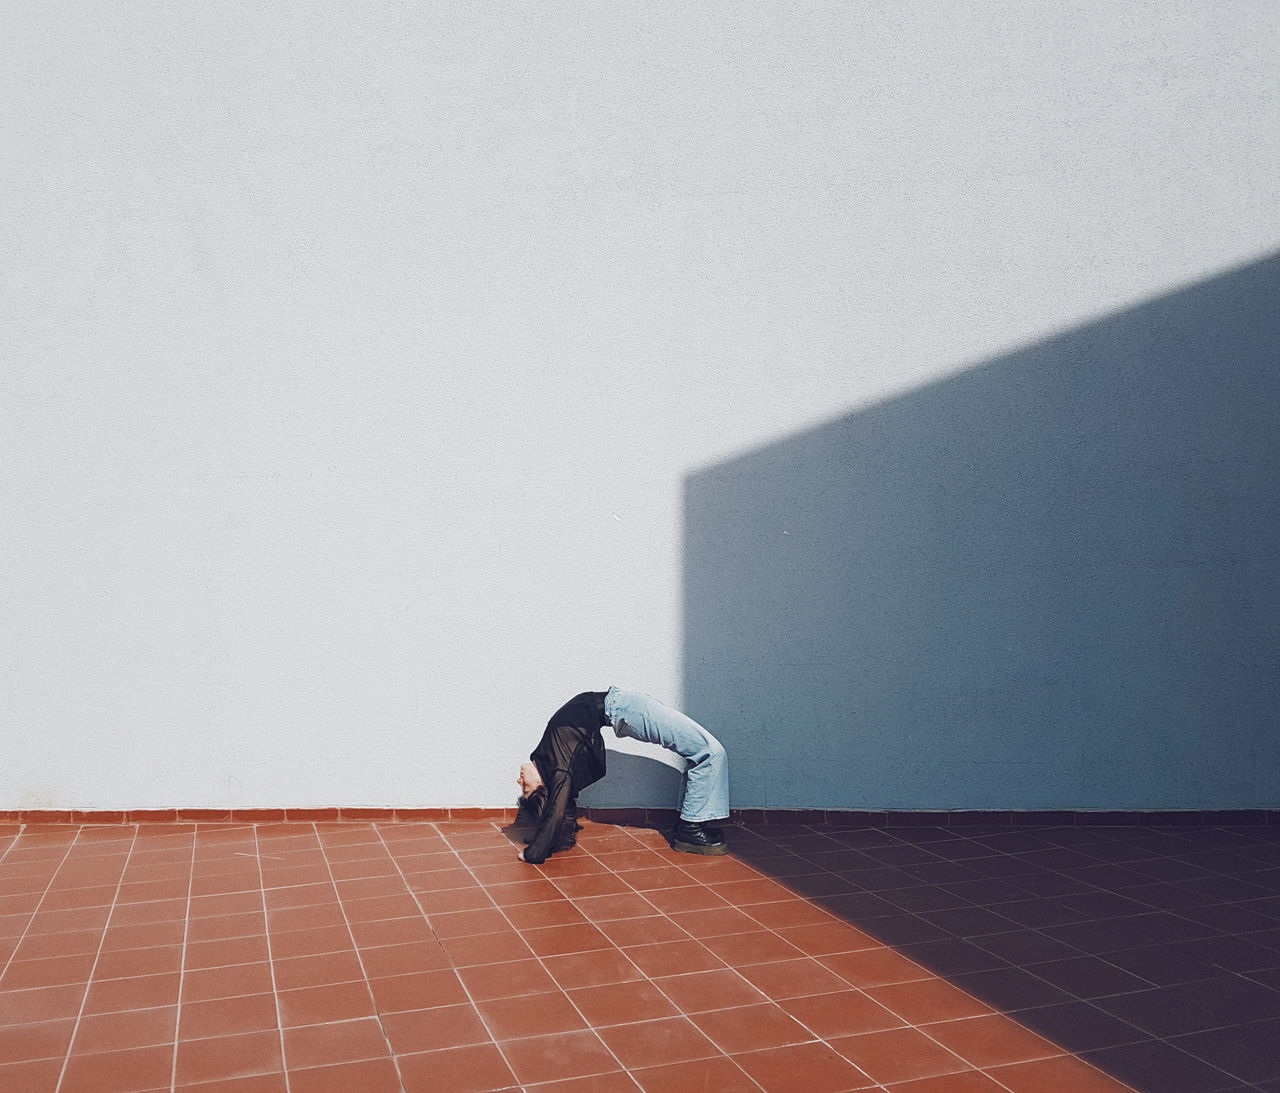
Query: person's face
[{"x": 529, "y": 779}]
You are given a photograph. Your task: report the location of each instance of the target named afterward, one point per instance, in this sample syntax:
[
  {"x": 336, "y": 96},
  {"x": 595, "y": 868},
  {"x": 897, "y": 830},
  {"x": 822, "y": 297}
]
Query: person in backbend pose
[{"x": 571, "y": 756}]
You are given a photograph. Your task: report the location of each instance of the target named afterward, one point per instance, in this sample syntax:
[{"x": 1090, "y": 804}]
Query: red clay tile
[
  {"x": 898, "y": 1055},
  {"x": 694, "y": 897},
  {"x": 716, "y": 989},
  {"x": 475, "y": 1069},
  {"x": 758, "y": 947},
  {"x": 928, "y": 1000},
  {"x": 100, "y": 896},
  {"x": 618, "y": 905},
  {"x": 141, "y": 1068},
  {"x": 674, "y": 1039},
  {"x": 433, "y": 1029},
  {"x": 381, "y": 908},
  {"x": 741, "y": 893},
  {"x": 232, "y": 903},
  {"x": 617, "y": 1081},
  {"x": 992, "y": 1041},
  {"x": 967, "y": 1081},
  {"x": 802, "y": 1068},
  {"x": 1064, "y": 1074},
  {"x": 161, "y": 910},
  {"x": 531, "y": 916},
  {"x": 484, "y": 981},
  {"x": 561, "y": 940},
  {"x": 225, "y": 1057},
  {"x": 391, "y": 931},
  {"x": 416, "y": 956},
  {"x": 790, "y": 912},
  {"x": 38, "y": 1076},
  {"x": 334, "y": 1042},
  {"x": 312, "y": 916},
  {"x": 139, "y": 992},
  {"x": 418, "y": 990},
  {"x": 717, "y": 1075},
  {"x": 450, "y": 900},
  {"x": 369, "y": 1076},
  {"x": 219, "y": 954},
  {"x": 146, "y": 936},
  {"x": 42, "y": 1004},
  {"x": 663, "y": 876},
  {"x": 332, "y": 1002},
  {"x": 231, "y": 981},
  {"x": 317, "y": 971},
  {"x": 842, "y": 1013},
  {"x": 53, "y": 971},
  {"x": 793, "y": 978},
  {"x": 124, "y": 963},
  {"x": 521, "y": 892},
  {"x": 561, "y": 1055},
  {"x": 620, "y": 1003},
  {"x": 132, "y": 1028},
  {"x": 824, "y": 939},
  {"x": 874, "y": 967},
  {"x": 50, "y": 945},
  {"x": 223, "y": 927},
  {"x": 644, "y": 931},
  {"x": 749, "y": 1028},
  {"x": 37, "y": 1040},
  {"x": 485, "y": 920},
  {"x": 495, "y": 948},
  {"x": 715, "y": 922},
  {"x": 228, "y": 1016},
  {"x": 591, "y": 884},
  {"x": 530, "y": 1015},
  {"x": 673, "y": 958}
]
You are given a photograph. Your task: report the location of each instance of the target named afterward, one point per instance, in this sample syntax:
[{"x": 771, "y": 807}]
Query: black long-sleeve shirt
[{"x": 570, "y": 757}]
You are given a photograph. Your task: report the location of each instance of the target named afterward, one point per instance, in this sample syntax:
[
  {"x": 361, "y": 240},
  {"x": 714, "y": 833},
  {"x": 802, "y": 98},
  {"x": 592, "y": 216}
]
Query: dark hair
[{"x": 532, "y": 806}]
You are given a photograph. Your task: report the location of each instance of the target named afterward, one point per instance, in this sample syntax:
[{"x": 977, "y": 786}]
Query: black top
[{"x": 570, "y": 757}]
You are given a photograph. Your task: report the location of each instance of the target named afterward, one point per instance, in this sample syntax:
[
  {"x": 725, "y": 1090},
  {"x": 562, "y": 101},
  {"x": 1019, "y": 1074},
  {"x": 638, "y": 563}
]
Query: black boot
[{"x": 696, "y": 838}]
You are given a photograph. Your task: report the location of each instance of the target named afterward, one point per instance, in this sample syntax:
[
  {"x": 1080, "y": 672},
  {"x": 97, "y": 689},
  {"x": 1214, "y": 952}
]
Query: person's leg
[{"x": 706, "y": 795}]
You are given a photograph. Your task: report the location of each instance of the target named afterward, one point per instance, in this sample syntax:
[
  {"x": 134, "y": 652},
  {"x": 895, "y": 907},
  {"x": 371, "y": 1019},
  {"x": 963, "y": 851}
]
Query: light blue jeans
[{"x": 706, "y": 781}]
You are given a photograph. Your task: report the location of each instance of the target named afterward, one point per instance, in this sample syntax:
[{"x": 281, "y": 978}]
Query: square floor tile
[
  {"x": 843, "y": 1013},
  {"x": 369, "y": 1076},
  {"x": 674, "y": 1039},
  {"x": 224, "y": 1057},
  {"x": 898, "y": 1055},
  {"x": 720, "y": 1075},
  {"x": 530, "y": 1015},
  {"x": 335, "y": 1042},
  {"x": 433, "y": 1029},
  {"x": 142, "y": 1068},
  {"x": 751, "y": 1028},
  {"x": 802, "y": 1068},
  {"x": 559, "y": 1056},
  {"x": 622, "y": 1003}
]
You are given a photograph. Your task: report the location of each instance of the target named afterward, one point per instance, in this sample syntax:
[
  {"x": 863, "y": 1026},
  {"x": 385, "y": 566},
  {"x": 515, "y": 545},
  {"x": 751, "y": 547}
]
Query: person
[{"x": 571, "y": 756}]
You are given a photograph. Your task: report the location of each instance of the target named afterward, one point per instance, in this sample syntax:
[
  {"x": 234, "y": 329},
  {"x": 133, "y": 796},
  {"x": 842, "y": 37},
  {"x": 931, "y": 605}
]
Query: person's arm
[{"x": 544, "y": 838}]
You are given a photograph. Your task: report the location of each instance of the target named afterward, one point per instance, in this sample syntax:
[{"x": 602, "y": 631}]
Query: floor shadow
[{"x": 1049, "y": 582}]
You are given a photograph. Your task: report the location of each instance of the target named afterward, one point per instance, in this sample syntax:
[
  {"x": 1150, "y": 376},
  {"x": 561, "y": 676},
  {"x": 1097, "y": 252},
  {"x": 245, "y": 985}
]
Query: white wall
[{"x": 354, "y": 353}]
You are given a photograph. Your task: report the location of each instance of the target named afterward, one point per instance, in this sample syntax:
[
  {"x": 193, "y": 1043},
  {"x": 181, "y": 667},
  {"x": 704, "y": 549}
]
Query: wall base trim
[{"x": 810, "y": 817}]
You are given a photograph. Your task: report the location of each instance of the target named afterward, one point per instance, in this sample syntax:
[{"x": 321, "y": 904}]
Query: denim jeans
[{"x": 706, "y": 781}]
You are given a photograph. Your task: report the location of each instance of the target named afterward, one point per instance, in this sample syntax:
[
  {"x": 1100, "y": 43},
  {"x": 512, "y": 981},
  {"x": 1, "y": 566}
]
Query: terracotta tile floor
[{"x": 362, "y": 957}]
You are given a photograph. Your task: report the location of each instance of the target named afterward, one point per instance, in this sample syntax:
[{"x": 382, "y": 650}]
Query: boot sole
[{"x": 694, "y": 848}]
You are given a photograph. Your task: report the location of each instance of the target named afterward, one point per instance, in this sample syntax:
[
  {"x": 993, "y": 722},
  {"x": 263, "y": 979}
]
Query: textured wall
[
  {"x": 356, "y": 354},
  {"x": 1052, "y": 581}
]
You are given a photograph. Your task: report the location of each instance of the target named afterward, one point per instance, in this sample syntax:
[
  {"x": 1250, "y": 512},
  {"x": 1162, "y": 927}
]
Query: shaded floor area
[{"x": 313, "y": 957}]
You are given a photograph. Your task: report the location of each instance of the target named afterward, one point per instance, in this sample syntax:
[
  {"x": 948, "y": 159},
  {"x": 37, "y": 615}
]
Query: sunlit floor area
[{"x": 371, "y": 957}]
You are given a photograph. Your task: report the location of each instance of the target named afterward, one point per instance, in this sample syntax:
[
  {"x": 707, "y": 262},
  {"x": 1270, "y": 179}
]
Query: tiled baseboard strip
[{"x": 767, "y": 816}]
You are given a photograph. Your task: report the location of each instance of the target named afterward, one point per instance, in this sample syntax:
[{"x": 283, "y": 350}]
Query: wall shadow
[
  {"x": 1048, "y": 582},
  {"x": 634, "y": 782}
]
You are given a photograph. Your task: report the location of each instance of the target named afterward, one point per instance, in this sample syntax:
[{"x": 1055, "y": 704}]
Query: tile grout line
[
  {"x": 88, "y": 986},
  {"x": 453, "y": 967},
  {"x": 182, "y": 967},
  {"x": 364, "y": 972},
  {"x": 36, "y": 909},
  {"x": 271, "y": 964},
  {"x": 542, "y": 964}
]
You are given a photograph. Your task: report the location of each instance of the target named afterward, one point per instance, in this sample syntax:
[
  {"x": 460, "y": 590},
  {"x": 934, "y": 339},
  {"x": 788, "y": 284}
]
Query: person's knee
[{"x": 715, "y": 753}]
